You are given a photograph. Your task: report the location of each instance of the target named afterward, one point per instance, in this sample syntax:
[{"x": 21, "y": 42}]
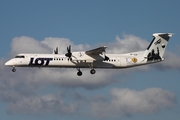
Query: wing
[{"x": 96, "y": 51}]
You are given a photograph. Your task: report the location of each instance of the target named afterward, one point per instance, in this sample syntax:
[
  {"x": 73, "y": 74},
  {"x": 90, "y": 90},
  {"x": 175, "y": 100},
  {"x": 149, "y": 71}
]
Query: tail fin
[{"x": 155, "y": 50}]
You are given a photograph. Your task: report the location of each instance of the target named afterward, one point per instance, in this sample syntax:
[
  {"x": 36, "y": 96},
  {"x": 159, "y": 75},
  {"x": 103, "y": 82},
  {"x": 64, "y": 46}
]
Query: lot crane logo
[{"x": 134, "y": 60}]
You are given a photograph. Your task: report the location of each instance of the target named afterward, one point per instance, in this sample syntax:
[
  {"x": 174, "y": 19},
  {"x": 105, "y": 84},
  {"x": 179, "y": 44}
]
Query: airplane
[{"x": 96, "y": 58}]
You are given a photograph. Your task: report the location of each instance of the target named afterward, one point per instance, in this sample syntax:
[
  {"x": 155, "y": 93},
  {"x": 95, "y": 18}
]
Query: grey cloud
[
  {"x": 62, "y": 44},
  {"x": 172, "y": 61},
  {"x": 26, "y": 44},
  {"x": 19, "y": 92},
  {"x": 129, "y": 43},
  {"x": 36, "y": 105},
  {"x": 64, "y": 78},
  {"x": 127, "y": 102}
]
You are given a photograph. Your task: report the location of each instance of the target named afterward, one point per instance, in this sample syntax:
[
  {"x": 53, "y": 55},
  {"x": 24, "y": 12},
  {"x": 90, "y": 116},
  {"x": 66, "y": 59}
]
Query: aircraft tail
[{"x": 156, "y": 48}]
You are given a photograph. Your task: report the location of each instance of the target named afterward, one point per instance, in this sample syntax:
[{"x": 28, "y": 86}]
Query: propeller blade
[
  {"x": 70, "y": 48},
  {"x": 68, "y": 54},
  {"x": 67, "y": 49},
  {"x": 56, "y": 50}
]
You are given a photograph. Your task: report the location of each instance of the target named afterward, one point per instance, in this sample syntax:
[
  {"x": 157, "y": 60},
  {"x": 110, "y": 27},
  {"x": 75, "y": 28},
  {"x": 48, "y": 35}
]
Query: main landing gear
[
  {"x": 79, "y": 73},
  {"x": 92, "y": 71}
]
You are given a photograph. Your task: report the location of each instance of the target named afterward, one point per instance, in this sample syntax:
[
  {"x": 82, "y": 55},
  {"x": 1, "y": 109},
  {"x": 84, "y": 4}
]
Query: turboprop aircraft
[{"x": 95, "y": 58}]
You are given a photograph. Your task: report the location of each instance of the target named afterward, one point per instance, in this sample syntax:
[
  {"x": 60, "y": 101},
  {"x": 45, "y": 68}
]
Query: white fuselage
[{"x": 79, "y": 60}]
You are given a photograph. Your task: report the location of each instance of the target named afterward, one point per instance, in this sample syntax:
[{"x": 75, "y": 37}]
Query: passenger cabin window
[{"x": 20, "y": 56}]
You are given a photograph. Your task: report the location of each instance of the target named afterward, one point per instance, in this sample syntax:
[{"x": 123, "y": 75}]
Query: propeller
[
  {"x": 69, "y": 54},
  {"x": 56, "y": 50}
]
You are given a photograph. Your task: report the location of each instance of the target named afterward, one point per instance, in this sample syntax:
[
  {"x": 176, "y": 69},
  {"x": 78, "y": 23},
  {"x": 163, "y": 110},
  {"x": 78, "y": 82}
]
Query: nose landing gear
[{"x": 13, "y": 69}]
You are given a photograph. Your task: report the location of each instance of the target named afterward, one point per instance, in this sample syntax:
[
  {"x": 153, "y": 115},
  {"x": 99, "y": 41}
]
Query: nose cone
[{"x": 9, "y": 63}]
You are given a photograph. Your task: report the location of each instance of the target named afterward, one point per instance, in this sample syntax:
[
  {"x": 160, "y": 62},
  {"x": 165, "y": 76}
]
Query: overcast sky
[{"x": 145, "y": 92}]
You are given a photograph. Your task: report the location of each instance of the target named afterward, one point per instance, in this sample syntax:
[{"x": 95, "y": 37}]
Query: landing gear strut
[
  {"x": 92, "y": 71},
  {"x": 79, "y": 73},
  {"x": 13, "y": 69}
]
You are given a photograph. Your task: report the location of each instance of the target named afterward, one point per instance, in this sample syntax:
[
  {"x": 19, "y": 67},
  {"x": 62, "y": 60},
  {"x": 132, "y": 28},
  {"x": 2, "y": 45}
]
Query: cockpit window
[{"x": 20, "y": 56}]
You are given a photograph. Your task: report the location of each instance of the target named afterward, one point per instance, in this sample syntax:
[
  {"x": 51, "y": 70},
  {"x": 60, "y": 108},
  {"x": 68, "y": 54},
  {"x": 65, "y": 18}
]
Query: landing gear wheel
[
  {"x": 79, "y": 73},
  {"x": 93, "y": 71},
  {"x": 13, "y": 70}
]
